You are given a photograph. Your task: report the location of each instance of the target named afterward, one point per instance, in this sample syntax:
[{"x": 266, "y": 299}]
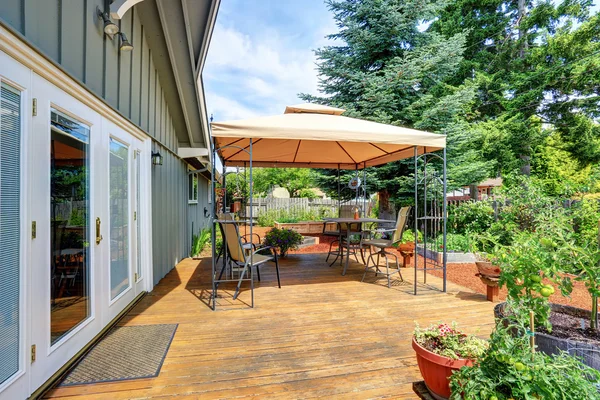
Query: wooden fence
[{"x": 294, "y": 206}]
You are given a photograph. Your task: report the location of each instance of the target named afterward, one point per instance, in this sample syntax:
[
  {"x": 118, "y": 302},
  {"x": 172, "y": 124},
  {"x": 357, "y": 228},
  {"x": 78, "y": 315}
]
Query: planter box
[
  {"x": 588, "y": 352},
  {"x": 307, "y": 227},
  {"x": 456, "y": 257}
]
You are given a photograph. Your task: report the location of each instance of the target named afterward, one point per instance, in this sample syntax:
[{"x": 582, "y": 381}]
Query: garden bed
[
  {"x": 307, "y": 227},
  {"x": 570, "y": 333},
  {"x": 452, "y": 256}
]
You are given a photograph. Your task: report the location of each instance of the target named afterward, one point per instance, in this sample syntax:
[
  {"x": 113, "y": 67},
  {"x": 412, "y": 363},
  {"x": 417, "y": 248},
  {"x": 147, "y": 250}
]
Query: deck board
[{"x": 322, "y": 335}]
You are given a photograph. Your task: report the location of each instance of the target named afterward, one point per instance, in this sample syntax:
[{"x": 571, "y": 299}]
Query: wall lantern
[
  {"x": 109, "y": 27},
  {"x": 125, "y": 45},
  {"x": 157, "y": 159}
]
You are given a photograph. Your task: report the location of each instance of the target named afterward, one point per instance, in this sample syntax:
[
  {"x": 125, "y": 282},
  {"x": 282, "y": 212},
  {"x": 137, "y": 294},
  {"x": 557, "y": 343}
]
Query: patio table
[{"x": 349, "y": 221}]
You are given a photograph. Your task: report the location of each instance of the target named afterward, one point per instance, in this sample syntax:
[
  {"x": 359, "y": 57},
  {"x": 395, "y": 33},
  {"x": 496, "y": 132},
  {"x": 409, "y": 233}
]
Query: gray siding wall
[
  {"x": 196, "y": 211},
  {"x": 69, "y": 33},
  {"x": 172, "y": 216}
]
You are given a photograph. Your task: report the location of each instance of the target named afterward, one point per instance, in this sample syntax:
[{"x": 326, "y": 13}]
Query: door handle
[{"x": 98, "y": 235}]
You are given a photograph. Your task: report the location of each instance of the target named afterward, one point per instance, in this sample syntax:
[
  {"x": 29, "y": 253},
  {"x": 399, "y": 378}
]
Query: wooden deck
[{"x": 322, "y": 335}]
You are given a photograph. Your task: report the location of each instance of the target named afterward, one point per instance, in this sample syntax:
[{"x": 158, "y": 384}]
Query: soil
[{"x": 569, "y": 327}]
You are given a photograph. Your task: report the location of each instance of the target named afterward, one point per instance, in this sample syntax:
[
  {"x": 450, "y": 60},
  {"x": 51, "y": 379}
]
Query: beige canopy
[{"x": 315, "y": 136}]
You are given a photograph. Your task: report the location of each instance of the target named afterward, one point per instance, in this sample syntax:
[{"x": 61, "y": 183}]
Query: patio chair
[
  {"x": 248, "y": 245},
  {"x": 383, "y": 244},
  {"x": 242, "y": 255}
]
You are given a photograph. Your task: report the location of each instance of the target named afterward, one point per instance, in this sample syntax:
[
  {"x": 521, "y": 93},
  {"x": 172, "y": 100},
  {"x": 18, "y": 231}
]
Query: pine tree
[
  {"x": 534, "y": 63},
  {"x": 388, "y": 68}
]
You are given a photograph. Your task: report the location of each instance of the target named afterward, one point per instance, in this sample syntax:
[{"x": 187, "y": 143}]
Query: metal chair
[
  {"x": 248, "y": 245},
  {"x": 383, "y": 244},
  {"x": 243, "y": 256}
]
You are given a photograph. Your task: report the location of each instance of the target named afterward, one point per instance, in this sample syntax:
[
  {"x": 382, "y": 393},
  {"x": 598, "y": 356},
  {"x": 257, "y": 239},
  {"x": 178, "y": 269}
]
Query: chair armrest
[
  {"x": 252, "y": 234},
  {"x": 262, "y": 248}
]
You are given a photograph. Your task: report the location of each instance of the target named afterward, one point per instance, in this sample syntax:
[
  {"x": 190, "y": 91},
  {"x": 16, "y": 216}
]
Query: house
[
  {"x": 485, "y": 190},
  {"x": 103, "y": 146}
]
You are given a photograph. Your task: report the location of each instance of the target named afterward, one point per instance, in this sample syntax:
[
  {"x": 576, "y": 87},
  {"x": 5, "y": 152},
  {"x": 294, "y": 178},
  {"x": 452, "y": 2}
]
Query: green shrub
[
  {"x": 293, "y": 215},
  {"x": 283, "y": 239},
  {"x": 470, "y": 216},
  {"x": 200, "y": 241},
  {"x": 457, "y": 242},
  {"x": 409, "y": 237},
  {"x": 267, "y": 218}
]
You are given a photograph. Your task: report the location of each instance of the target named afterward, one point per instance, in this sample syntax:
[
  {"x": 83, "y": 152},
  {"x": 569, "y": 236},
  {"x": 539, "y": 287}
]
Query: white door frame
[{"x": 19, "y": 77}]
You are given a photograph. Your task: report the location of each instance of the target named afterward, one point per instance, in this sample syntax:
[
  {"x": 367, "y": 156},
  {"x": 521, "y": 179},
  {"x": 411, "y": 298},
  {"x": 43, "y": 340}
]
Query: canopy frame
[{"x": 426, "y": 209}]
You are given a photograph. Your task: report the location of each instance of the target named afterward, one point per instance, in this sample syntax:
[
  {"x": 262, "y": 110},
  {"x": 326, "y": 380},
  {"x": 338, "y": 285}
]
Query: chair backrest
[
  {"x": 401, "y": 223},
  {"x": 231, "y": 238}
]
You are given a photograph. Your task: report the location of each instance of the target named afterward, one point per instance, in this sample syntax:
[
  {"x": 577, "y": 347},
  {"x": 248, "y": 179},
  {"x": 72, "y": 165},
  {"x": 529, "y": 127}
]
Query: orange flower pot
[{"x": 436, "y": 370}]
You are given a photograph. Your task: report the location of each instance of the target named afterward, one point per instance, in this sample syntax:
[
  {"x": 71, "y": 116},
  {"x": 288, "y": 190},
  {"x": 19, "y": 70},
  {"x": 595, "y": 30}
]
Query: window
[
  {"x": 69, "y": 224},
  {"x": 10, "y": 232},
  {"x": 119, "y": 217},
  {"x": 193, "y": 188}
]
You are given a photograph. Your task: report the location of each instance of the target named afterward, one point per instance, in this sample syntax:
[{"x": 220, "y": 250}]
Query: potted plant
[
  {"x": 511, "y": 369},
  {"x": 442, "y": 349},
  {"x": 283, "y": 239}
]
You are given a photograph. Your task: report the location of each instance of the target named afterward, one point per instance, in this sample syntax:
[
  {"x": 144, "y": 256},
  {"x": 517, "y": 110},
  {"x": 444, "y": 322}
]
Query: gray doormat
[{"x": 126, "y": 352}]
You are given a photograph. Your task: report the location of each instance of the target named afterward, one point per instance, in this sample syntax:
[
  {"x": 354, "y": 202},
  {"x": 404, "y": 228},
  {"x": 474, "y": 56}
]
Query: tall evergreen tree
[
  {"x": 536, "y": 64},
  {"x": 387, "y": 67}
]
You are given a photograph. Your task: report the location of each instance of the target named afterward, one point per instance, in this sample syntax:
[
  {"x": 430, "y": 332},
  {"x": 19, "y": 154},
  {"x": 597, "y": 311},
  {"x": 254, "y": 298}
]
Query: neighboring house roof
[
  {"x": 491, "y": 182},
  {"x": 179, "y": 33}
]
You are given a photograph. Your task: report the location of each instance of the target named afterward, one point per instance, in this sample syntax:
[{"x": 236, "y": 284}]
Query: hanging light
[
  {"x": 157, "y": 159},
  {"x": 109, "y": 27},
  {"x": 125, "y": 45}
]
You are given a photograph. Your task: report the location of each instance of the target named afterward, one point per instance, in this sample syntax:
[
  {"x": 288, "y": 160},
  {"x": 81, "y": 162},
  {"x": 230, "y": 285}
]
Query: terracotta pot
[
  {"x": 488, "y": 269},
  {"x": 436, "y": 370}
]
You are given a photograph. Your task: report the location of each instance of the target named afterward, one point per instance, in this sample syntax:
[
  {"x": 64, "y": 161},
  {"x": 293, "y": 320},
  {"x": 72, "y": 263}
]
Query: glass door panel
[
  {"x": 119, "y": 218},
  {"x": 69, "y": 224}
]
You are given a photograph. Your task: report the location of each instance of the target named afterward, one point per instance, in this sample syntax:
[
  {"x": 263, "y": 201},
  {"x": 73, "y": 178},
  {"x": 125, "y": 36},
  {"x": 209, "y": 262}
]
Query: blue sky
[{"x": 261, "y": 55}]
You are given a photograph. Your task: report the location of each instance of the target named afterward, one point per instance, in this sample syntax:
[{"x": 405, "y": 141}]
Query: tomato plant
[{"x": 509, "y": 370}]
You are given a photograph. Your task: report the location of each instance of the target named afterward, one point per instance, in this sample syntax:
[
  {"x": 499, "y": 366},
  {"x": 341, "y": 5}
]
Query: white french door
[
  {"x": 124, "y": 173},
  {"x": 88, "y": 180},
  {"x": 66, "y": 159}
]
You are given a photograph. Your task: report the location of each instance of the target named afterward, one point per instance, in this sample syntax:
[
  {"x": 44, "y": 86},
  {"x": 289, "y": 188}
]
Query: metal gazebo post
[
  {"x": 339, "y": 193},
  {"x": 250, "y": 194},
  {"x": 213, "y": 213},
  {"x": 365, "y": 190},
  {"x": 416, "y": 217},
  {"x": 444, "y": 218}
]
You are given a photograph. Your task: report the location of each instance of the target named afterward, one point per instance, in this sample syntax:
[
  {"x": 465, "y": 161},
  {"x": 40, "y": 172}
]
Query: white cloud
[
  {"x": 229, "y": 109},
  {"x": 258, "y": 74}
]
